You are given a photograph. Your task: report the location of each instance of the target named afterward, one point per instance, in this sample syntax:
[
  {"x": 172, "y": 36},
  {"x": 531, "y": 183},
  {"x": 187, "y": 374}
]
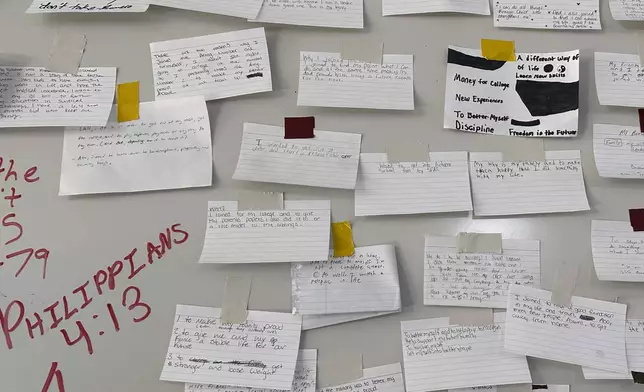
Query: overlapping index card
[
  {"x": 93, "y": 6},
  {"x": 338, "y": 14},
  {"x": 402, "y": 7},
  {"x": 330, "y": 159},
  {"x": 619, "y": 151},
  {"x": 618, "y": 251},
  {"x": 386, "y": 378},
  {"x": 547, "y": 14},
  {"x": 588, "y": 332},
  {"x": 527, "y": 187},
  {"x": 634, "y": 354},
  {"x": 367, "y": 281},
  {"x": 299, "y": 232},
  {"x": 239, "y": 8},
  {"x": 440, "y": 356},
  {"x": 440, "y": 184},
  {"x": 619, "y": 79},
  {"x": 262, "y": 352}
]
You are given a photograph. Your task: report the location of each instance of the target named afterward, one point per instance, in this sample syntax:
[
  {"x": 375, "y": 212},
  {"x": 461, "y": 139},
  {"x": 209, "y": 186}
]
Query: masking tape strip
[
  {"x": 338, "y": 369},
  {"x": 360, "y": 51},
  {"x": 565, "y": 283},
  {"x": 473, "y": 316},
  {"x": 234, "y": 307},
  {"x": 66, "y": 53},
  {"x": 479, "y": 243},
  {"x": 524, "y": 149},
  {"x": 260, "y": 201},
  {"x": 407, "y": 152}
]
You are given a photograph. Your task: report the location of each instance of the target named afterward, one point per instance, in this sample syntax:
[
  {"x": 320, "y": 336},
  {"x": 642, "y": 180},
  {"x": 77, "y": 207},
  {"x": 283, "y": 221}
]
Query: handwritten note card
[
  {"x": 588, "y": 332},
  {"x": 477, "y": 279},
  {"x": 404, "y": 7},
  {"x": 325, "y": 320},
  {"x": 535, "y": 96},
  {"x": 547, "y": 14},
  {"x": 487, "y": 388},
  {"x": 440, "y": 356},
  {"x": 626, "y": 9},
  {"x": 239, "y": 8},
  {"x": 619, "y": 151},
  {"x": 42, "y": 6},
  {"x": 168, "y": 147},
  {"x": 304, "y": 380},
  {"x": 527, "y": 187},
  {"x": 364, "y": 282},
  {"x": 321, "y": 13},
  {"x": 299, "y": 232},
  {"x": 328, "y": 80},
  {"x": 393, "y": 188},
  {"x": 618, "y": 251},
  {"x": 260, "y": 353},
  {"x": 329, "y": 160},
  {"x": 33, "y": 97},
  {"x": 386, "y": 378},
  {"x": 619, "y": 79},
  {"x": 634, "y": 354},
  {"x": 215, "y": 66}
]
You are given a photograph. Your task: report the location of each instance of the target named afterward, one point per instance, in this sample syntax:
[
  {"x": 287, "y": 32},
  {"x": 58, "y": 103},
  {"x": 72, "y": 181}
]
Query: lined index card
[
  {"x": 320, "y": 13},
  {"x": 403, "y": 7},
  {"x": 440, "y": 184},
  {"x": 619, "y": 151},
  {"x": 364, "y": 282},
  {"x": 527, "y": 187},
  {"x": 325, "y": 320},
  {"x": 619, "y": 79},
  {"x": 386, "y": 378},
  {"x": 330, "y": 159},
  {"x": 33, "y": 97},
  {"x": 299, "y": 232},
  {"x": 634, "y": 354},
  {"x": 547, "y": 14},
  {"x": 440, "y": 356},
  {"x": 215, "y": 66},
  {"x": 239, "y": 8},
  {"x": 588, "y": 332},
  {"x": 618, "y": 251},
  {"x": 626, "y": 9},
  {"x": 330, "y": 81},
  {"x": 477, "y": 279},
  {"x": 304, "y": 380},
  {"x": 259, "y": 353},
  {"x": 48, "y": 6}
]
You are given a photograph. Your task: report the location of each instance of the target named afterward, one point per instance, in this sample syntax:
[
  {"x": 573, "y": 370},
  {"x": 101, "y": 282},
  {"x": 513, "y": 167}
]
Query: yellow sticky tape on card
[
  {"x": 342, "y": 239},
  {"x": 493, "y": 49},
  {"x": 127, "y": 101}
]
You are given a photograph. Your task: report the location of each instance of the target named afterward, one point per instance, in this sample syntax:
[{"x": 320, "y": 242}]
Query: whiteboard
[{"x": 87, "y": 234}]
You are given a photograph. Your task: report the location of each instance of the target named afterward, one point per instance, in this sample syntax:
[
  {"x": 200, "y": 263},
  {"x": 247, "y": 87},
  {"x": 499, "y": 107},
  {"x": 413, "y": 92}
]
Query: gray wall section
[{"x": 88, "y": 233}]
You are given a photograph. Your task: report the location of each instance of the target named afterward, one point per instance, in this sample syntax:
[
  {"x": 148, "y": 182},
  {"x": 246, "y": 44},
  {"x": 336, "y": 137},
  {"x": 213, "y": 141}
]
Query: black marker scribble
[
  {"x": 586, "y": 318},
  {"x": 638, "y": 377},
  {"x": 548, "y": 98},
  {"x": 531, "y": 123},
  {"x": 465, "y": 60},
  {"x": 539, "y": 387},
  {"x": 256, "y": 364},
  {"x": 255, "y": 75}
]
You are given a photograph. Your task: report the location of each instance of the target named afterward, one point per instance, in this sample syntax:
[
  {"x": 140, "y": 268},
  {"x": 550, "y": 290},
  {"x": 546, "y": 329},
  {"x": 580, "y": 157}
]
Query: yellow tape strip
[
  {"x": 342, "y": 239},
  {"x": 127, "y": 101},
  {"x": 493, "y": 49}
]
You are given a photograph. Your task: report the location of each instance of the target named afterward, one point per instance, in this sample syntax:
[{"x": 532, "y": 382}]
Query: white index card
[
  {"x": 626, "y": 10},
  {"x": 215, "y": 66},
  {"x": 367, "y": 281},
  {"x": 330, "y": 81},
  {"x": 634, "y": 354},
  {"x": 619, "y": 79},
  {"x": 239, "y": 8},
  {"x": 405, "y": 7},
  {"x": 439, "y": 356},
  {"x": 618, "y": 251},
  {"x": 440, "y": 184},
  {"x": 299, "y": 232},
  {"x": 259, "y": 353},
  {"x": 339, "y": 14},
  {"x": 303, "y": 381},
  {"x": 49, "y": 6},
  {"x": 527, "y": 187},
  {"x": 325, "y": 320},
  {"x": 486, "y": 388},
  {"x": 386, "y": 378},
  {"x": 35, "y": 97},
  {"x": 619, "y": 151},
  {"x": 547, "y": 14},
  {"x": 477, "y": 279},
  {"x": 330, "y": 159},
  {"x": 588, "y": 332},
  {"x": 168, "y": 147}
]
